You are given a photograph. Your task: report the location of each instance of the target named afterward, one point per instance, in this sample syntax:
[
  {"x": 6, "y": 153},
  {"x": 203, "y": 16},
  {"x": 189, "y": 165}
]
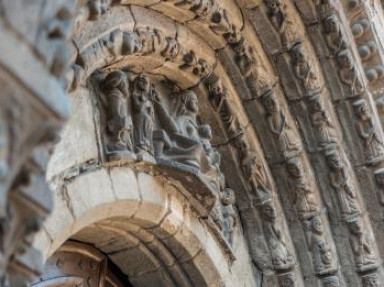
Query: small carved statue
[
  {"x": 326, "y": 132},
  {"x": 220, "y": 100},
  {"x": 319, "y": 246},
  {"x": 287, "y": 280},
  {"x": 342, "y": 183},
  {"x": 369, "y": 132},
  {"x": 283, "y": 22},
  {"x": 286, "y": 137},
  {"x": 119, "y": 121},
  {"x": 379, "y": 178},
  {"x": 253, "y": 171},
  {"x": 305, "y": 70},
  {"x": 143, "y": 114},
  {"x": 349, "y": 73},
  {"x": 361, "y": 246},
  {"x": 229, "y": 213},
  {"x": 334, "y": 34},
  {"x": 371, "y": 280},
  {"x": 331, "y": 281},
  {"x": 281, "y": 258},
  {"x": 303, "y": 194}
]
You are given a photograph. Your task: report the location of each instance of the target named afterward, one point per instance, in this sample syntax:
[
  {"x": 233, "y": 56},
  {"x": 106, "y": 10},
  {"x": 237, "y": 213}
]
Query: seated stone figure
[{"x": 182, "y": 139}]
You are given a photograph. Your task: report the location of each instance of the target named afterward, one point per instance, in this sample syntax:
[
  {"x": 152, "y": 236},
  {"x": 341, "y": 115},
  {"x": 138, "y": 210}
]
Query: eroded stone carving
[
  {"x": 341, "y": 181},
  {"x": 349, "y": 73},
  {"x": 303, "y": 193},
  {"x": 364, "y": 254},
  {"x": 367, "y": 129},
  {"x": 286, "y": 137},
  {"x": 287, "y": 280},
  {"x": 326, "y": 132},
  {"x": 306, "y": 72},
  {"x": 283, "y": 22},
  {"x": 143, "y": 114},
  {"x": 98, "y": 8},
  {"x": 281, "y": 258},
  {"x": 371, "y": 280},
  {"x": 324, "y": 262},
  {"x": 379, "y": 179},
  {"x": 331, "y": 281},
  {"x": 227, "y": 197},
  {"x": 335, "y": 37},
  {"x": 119, "y": 127}
]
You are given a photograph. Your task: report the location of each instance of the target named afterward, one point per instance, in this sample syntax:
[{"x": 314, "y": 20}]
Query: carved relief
[
  {"x": 221, "y": 102},
  {"x": 331, "y": 281},
  {"x": 98, "y": 8},
  {"x": 334, "y": 34},
  {"x": 300, "y": 186},
  {"x": 364, "y": 254},
  {"x": 143, "y": 114},
  {"x": 283, "y": 22},
  {"x": 371, "y": 280},
  {"x": 281, "y": 258},
  {"x": 379, "y": 179},
  {"x": 227, "y": 197},
  {"x": 119, "y": 127},
  {"x": 368, "y": 131},
  {"x": 319, "y": 246},
  {"x": 305, "y": 71},
  {"x": 341, "y": 181},
  {"x": 349, "y": 73},
  {"x": 254, "y": 172},
  {"x": 326, "y": 132},
  {"x": 287, "y": 280},
  {"x": 287, "y": 139}
]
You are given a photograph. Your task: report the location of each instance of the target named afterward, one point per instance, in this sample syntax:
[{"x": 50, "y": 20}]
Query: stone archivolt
[{"x": 297, "y": 120}]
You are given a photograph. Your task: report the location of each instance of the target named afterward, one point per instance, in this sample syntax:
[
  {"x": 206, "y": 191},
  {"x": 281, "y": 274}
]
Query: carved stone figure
[
  {"x": 281, "y": 258},
  {"x": 302, "y": 190},
  {"x": 283, "y": 22},
  {"x": 319, "y": 246},
  {"x": 349, "y": 73},
  {"x": 371, "y": 280},
  {"x": 131, "y": 43},
  {"x": 220, "y": 100},
  {"x": 331, "y": 281},
  {"x": 153, "y": 40},
  {"x": 306, "y": 72},
  {"x": 335, "y": 37},
  {"x": 229, "y": 213},
  {"x": 364, "y": 254},
  {"x": 369, "y": 132},
  {"x": 253, "y": 171},
  {"x": 341, "y": 182},
  {"x": 98, "y": 8},
  {"x": 379, "y": 178},
  {"x": 286, "y": 137},
  {"x": 119, "y": 121},
  {"x": 143, "y": 114},
  {"x": 287, "y": 280},
  {"x": 326, "y": 132}
]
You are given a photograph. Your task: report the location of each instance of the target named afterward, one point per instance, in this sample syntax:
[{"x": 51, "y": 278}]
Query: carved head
[
  {"x": 356, "y": 226},
  {"x": 270, "y": 102},
  {"x": 234, "y": 36},
  {"x": 331, "y": 281},
  {"x": 316, "y": 103},
  {"x": 116, "y": 80},
  {"x": 325, "y": 253},
  {"x": 345, "y": 59},
  {"x": 334, "y": 159},
  {"x": 172, "y": 48},
  {"x": 294, "y": 167},
  {"x": 299, "y": 53},
  {"x": 331, "y": 24},
  {"x": 205, "y": 132},
  {"x": 216, "y": 88},
  {"x": 191, "y": 102},
  {"x": 274, "y": 6},
  {"x": 371, "y": 280},
  {"x": 227, "y": 196},
  {"x": 379, "y": 177},
  {"x": 287, "y": 280},
  {"x": 317, "y": 225},
  {"x": 142, "y": 83},
  {"x": 268, "y": 210},
  {"x": 361, "y": 109}
]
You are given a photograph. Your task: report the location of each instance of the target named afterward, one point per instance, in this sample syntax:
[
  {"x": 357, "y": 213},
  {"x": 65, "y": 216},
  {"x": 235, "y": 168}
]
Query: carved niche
[{"x": 154, "y": 123}]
